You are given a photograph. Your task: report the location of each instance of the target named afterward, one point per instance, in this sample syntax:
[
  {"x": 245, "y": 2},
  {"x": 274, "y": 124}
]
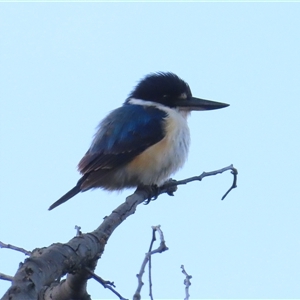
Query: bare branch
[
  {"x": 73, "y": 287},
  {"x": 171, "y": 183},
  {"x": 186, "y": 282},
  {"x": 162, "y": 247},
  {"x": 234, "y": 172},
  {"x": 106, "y": 284},
  {"x": 78, "y": 230},
  {"x": 6, "y": 277},
  {"x": 12, "y": 247},
  {"x": 41, "y": 271},
  {"x": 150, "y": 263},
  {"x": 45, "y": 266}
]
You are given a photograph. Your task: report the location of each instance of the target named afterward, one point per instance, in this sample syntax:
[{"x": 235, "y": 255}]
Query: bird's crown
[{"x": 161, "y": 87}]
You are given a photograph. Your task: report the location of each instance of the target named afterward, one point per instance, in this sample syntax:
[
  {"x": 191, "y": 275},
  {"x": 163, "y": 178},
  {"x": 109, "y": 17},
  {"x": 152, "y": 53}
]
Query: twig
[
  {"x": 234, "y": 171},
  {"x": 172, "y": 183},
  {"x": 70, "y": 257},
  {"x": 83, "y": 249},
  {"x": 6, "y": 277},
  {"x": 150, "y": 263},
  {"x": 12, "y": 247},
  {"x": 186, "y": 282},
  {"x": 78, "y": 231},
  {"x": 106, "y": 284},
  {"x": 162, "y": 247}
]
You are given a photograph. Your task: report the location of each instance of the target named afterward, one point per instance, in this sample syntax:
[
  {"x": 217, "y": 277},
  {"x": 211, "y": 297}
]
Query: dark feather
[
  {"x": 74, "y": 191},
  {"x": 119, "y": 139}
]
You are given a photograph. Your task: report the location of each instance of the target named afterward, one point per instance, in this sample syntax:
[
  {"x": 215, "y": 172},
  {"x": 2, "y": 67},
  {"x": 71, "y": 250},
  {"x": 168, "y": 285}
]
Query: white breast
[{"x": 160, "y": 161}]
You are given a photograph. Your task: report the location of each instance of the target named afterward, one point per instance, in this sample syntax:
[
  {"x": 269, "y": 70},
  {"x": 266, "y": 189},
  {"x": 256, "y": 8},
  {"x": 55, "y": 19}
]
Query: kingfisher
[{"x": 143, "y": 142}]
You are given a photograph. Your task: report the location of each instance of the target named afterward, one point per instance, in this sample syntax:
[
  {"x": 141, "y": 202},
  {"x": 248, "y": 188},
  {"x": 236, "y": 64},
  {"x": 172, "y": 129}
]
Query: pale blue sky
[{"x": 64, "y": 66}]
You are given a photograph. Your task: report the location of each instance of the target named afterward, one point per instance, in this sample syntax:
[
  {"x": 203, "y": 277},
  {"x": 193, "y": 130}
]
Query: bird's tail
[{"x": 71, "y": 193}]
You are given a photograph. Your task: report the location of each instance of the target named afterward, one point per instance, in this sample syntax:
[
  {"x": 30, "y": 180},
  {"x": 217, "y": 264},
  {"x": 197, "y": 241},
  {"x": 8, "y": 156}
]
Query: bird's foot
[
  {"x": 152, "y": 192},
  {"x": 170, "y": 186}
]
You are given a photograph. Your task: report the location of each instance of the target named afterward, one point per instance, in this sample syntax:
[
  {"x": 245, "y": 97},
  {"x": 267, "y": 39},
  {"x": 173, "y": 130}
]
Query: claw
[{"x": 151, "y": 190}]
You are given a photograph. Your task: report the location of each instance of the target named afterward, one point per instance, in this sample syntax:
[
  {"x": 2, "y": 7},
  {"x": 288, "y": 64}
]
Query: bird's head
[{"x": 171, "y": 91}]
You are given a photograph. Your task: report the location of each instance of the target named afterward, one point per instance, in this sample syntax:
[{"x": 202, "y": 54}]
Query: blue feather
[{"x": 123, "y": 134}]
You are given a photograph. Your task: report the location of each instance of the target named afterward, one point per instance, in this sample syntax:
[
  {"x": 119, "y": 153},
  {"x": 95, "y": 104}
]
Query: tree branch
[
  {"x": 47, "y": 265},
  {"x": 38, "y": 276},
  {"x": 162, "y": 247},
  {"x": 12, "y": 247},
  {"x": 6, "y": 277},
  {"x": 106, "y": 284},
  {"x": 174, "y": 183},
  {"x": 186, "y": 282}
]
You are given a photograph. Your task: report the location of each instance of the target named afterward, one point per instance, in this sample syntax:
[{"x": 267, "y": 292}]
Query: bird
[{"x": 144, "y": 141}]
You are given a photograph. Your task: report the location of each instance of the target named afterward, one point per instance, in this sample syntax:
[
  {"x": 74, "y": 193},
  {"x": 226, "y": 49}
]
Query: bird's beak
[{"x": 193, "y": 103}]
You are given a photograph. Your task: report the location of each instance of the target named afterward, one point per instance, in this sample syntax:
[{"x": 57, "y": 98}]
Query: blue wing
[{"x": 122, "y": 135}]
